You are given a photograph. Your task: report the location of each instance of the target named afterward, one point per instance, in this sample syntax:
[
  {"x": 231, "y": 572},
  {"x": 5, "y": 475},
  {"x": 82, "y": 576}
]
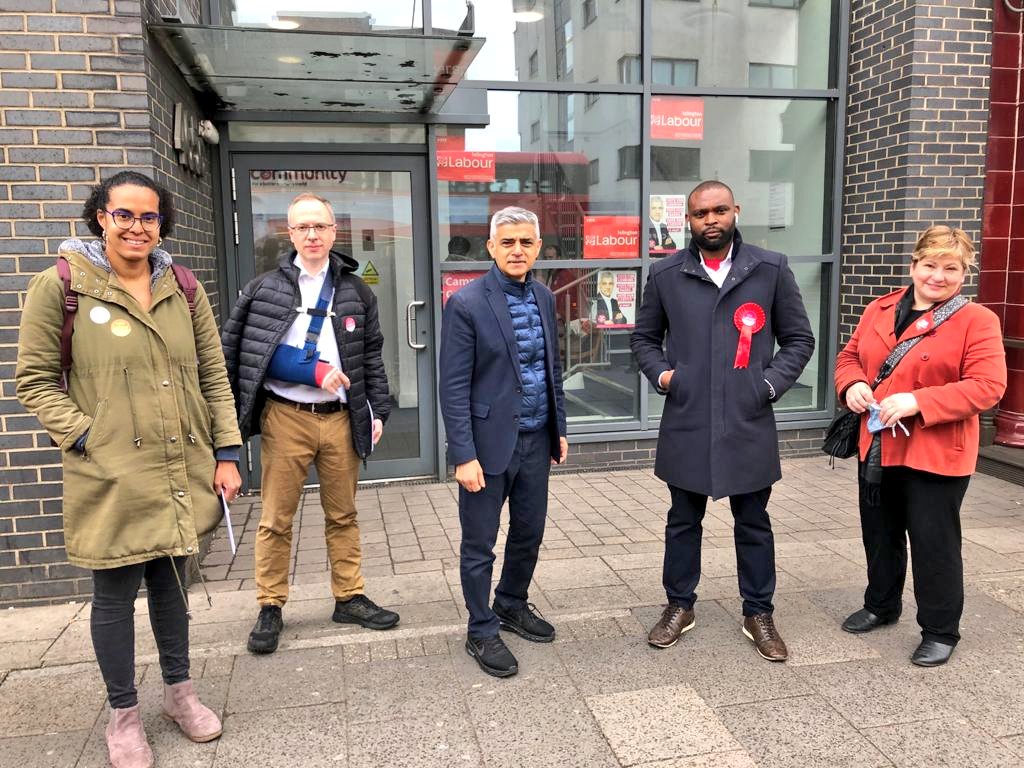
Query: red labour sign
[
  {"x": 611, "y": 237},
  {"x": 465, "y": 166},
  {"x": 677, "y": 119}
]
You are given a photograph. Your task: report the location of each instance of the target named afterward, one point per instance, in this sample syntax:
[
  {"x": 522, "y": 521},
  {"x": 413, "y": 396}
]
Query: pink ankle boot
[
  {"x": 126, "y": 739},
  {"x": 196, "y": 720}
]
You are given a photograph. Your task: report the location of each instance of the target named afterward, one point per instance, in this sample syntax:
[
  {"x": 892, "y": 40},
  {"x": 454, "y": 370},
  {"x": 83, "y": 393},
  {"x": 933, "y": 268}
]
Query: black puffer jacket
[{"x": 264, "y": 313}]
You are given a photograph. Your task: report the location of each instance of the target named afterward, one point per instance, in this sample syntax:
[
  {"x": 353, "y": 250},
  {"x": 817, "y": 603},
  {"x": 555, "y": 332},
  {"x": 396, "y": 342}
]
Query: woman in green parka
[{"x": 146, "y": 426}]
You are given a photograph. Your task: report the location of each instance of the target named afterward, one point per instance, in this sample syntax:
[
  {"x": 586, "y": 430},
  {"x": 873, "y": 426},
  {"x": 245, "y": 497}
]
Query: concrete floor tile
[
  {"x": 615, "y": 664},
  {"x": 1008, "y": 589},
  {"x": 642, "y": 726},
  {"x": 36, "y": 702},
  {"x": 425, "y": 742},
  {"x": 813, "y": 637},
  {"x": 37, "y": 623},
  {"x": 947, "y": 743},
  {"x": 385, "y": 690},
  {"x": 23, "y": 655},
  {"x": 52, "y": 750},
  {"x": 314, "y": 737},
  {"x": 1004, "y": 540},
  {"x": 287, "y": 679},
  {"x": 986, "y": 688},
  {"x": 1015, "y": 744},
  {"x": 590, "y": 598},
  {"x": 515, "y": 732},
  {"x": 803, "y": 732},
  {"x": 738, "y": 759},
  {"x": 873, "y": 693}
]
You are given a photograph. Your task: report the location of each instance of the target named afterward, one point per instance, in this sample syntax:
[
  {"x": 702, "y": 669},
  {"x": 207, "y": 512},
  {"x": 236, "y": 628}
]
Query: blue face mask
[{"x": 874, "y": 420}]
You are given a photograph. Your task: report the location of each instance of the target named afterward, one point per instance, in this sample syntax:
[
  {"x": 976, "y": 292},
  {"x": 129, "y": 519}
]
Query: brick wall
[
  {"x": 916, "y": 135},
  {"x": 81, "y": 97}
]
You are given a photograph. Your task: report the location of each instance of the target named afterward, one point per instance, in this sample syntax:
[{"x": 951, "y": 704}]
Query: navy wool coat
[
  {"x": 481, "y": 387},
  {"x": 718, "y": 433}
]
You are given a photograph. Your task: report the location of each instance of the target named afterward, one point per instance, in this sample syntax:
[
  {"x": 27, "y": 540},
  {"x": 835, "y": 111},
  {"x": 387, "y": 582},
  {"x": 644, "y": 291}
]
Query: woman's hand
[
  {"x": 859, "y": 396},
  {"x": 896, "y": 407},
  {"x": 226, "y": 480}
]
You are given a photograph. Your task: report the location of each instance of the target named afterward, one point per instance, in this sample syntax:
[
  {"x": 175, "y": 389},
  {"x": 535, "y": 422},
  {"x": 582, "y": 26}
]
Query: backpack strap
[
  {"x": 188, "y": 284},
  {"x": 68, "y": 326}
]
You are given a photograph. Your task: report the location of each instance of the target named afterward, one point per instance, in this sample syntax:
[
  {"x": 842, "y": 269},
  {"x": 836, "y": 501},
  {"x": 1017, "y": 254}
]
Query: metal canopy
[{"x": 270, "y": 69}]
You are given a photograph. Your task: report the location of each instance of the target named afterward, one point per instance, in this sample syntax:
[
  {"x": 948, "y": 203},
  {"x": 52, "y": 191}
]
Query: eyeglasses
[
  {"x": 303, "y": 229},
  {"x": 125, "y": 220}
]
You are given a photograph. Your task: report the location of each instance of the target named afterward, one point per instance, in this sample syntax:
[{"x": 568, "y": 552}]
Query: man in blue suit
[{"x": 504, "y": 413}]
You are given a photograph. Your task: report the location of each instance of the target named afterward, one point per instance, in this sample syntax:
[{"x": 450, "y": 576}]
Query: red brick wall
[{"x": 1002, "y": 264}]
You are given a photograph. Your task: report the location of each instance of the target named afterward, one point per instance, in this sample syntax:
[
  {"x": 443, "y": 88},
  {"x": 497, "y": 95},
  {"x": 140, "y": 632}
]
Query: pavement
[{"x": 342, "y": 696}]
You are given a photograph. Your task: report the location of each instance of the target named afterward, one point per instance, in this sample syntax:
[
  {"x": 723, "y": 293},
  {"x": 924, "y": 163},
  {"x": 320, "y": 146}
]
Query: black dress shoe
[
  {"x": 492, "y": 655},
  {"x": 864, "y": 620},
  {"x": 931, "y": 653}
]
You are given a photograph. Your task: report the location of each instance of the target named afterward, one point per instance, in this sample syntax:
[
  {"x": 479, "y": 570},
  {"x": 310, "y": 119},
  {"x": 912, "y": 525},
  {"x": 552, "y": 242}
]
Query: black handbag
[{"x": 842, "y": 437}]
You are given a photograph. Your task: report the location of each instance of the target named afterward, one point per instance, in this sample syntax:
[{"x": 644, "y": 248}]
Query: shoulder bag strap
[
  {"x": 941, "y": 315},
  {"x": 68, "y": 326}
]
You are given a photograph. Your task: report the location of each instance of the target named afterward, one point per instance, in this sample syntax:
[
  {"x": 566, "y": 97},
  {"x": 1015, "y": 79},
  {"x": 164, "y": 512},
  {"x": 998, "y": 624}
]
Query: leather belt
[{"x": 328, "y": 406}]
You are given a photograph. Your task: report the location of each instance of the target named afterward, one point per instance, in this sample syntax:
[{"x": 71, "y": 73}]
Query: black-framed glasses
[
  {"x": 303, "y": 229},
  {"x": 125, "y": 220}
]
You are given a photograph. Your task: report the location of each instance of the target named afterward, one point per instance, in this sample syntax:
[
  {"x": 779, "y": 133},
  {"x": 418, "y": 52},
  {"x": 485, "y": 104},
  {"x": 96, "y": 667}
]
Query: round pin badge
[
  {"x": 922, "y": 323},
  {"x": 99, "y": 315},
  {"x": 350, "y": 324},
  {"x": 120, "y": 327}
]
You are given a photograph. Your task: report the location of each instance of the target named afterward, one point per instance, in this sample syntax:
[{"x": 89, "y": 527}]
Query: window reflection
[
  {"x": 543, "y": 152},
  {"x": 342, "y": 16},
  {"x": 770, "y": 151},
  {"x": 596, "y": 308},
  {"x": 548, "y": 40},
  {"x": 760, "y": 43}
]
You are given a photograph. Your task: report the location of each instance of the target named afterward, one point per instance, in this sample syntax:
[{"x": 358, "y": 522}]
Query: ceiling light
[
  {"x": 276, "y": 23},
  {"x": 289, "y": 59}
]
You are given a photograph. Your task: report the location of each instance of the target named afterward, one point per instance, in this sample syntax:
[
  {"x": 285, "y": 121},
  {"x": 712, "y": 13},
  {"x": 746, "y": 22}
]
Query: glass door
[{"x": 380, "y": 208}]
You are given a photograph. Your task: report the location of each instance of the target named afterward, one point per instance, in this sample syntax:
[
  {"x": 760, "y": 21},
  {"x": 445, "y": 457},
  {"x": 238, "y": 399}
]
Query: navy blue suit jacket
[{"x": 481, "y": 387}]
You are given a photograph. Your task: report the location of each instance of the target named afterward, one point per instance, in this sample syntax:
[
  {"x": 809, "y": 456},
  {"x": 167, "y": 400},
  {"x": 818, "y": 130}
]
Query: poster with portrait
[
  {"x": 666, "y": 224},
  {"x": 613, "y": 304}
]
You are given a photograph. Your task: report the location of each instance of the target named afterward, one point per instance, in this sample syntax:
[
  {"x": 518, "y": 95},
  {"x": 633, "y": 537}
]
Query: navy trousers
[
  {"x": 525, "y": 484},
  {"x": 755, "y": 548}
]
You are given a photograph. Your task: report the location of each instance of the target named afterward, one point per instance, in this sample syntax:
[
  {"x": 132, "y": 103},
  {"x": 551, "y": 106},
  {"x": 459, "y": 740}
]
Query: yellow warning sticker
[{"x": 370, "y": 274}]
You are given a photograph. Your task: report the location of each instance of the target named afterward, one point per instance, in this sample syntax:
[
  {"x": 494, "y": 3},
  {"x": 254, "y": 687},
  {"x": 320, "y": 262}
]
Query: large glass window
[
  {"x": 763, "y": 43},
  {"x": 548, "y": 40},
  {"x": 770, "y": 151},
  {"x": 537, "y": 153}
]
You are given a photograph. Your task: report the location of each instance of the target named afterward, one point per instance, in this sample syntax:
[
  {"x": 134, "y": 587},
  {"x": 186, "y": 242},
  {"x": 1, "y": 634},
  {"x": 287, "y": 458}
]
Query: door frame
[{"x": 243, "y": 160}]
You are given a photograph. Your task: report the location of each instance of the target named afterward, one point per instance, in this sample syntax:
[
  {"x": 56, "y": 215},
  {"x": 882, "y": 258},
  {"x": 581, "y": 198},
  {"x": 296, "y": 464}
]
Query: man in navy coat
[
  {"x": 504, "y": 414},
  {"x": 705, "y": 336}
]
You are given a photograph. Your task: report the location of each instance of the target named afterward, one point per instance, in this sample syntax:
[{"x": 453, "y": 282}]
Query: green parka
[{"x": 152, "y": 391}]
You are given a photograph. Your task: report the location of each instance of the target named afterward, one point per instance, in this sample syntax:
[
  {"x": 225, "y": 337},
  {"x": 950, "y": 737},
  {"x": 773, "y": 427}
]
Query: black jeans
[
  {"x": 113, "y": 624},
  {"x": 755, "y": 548},
  {"x": 525, "y": 484},
  {"x": 927, "y": 508}
]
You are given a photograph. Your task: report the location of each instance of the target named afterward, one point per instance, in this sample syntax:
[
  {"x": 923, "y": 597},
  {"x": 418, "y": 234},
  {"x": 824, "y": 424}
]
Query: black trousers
[
  {"x": 525, "y": 485},
  {"x": 925, "y": 507},
  {"x": 113, "y": 624},
  {"x": 755, "y": 548}
]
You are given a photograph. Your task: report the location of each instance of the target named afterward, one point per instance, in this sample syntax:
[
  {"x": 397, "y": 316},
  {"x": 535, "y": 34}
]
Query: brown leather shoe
[
  {"x": 761, "y": 630},
  {"x": 673, "y": 622}
]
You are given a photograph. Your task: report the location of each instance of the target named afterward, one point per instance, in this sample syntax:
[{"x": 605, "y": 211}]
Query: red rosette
[{"x": 749, "y": 319}]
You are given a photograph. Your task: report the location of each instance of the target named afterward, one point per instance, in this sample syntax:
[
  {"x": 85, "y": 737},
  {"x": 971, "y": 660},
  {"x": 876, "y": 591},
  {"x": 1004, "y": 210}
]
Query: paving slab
[
  {"x": 946, "y": 743},
  {"x": 315, "y": 736},
  {"x": 642, "y": 726},
  {"x": 33, "y": 702},
  {"x": 803, "y": 732},
  {"x": 51, "y": 750},
  {"x": 433, "y": 741},
  {"x": 287, "y": 679},
  {"x": 36, "y": 623}
]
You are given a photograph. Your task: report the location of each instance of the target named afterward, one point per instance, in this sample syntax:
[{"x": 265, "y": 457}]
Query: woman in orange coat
[{"x": 919, "y": 437}]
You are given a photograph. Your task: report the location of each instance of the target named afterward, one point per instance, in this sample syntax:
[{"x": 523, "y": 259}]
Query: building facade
[{"x": 844, "y": 128}]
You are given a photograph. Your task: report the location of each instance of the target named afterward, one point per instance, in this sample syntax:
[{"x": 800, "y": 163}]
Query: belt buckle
[{"x": 312, "y": 408}]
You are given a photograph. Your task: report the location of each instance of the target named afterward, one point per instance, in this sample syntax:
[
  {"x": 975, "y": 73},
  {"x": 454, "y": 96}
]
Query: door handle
[{"x": 410, "y": 322}]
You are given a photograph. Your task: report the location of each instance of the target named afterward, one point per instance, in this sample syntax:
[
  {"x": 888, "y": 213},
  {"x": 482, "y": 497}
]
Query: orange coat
[{"x": 955, "y": 372}]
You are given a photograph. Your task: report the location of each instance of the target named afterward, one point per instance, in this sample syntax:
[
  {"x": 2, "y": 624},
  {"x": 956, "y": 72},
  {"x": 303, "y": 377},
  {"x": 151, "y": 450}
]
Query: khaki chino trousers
[{"x": 292, "y": 441}]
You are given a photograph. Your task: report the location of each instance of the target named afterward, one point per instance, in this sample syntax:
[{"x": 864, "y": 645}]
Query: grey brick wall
[
  {"x": 916, "y": 136},
  {"x": 79, "y": 101}
]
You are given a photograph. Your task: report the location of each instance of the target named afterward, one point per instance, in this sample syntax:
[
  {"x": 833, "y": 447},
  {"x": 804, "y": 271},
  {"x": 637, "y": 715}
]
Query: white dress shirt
[
  {"x": 718, "y": 275},
  {"x": 310, "y": 286}
]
